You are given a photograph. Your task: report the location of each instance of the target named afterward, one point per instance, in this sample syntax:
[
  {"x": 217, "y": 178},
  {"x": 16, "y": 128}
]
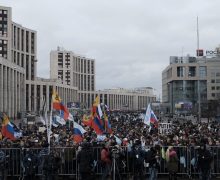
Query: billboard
[{"x": 73, "y": 105}]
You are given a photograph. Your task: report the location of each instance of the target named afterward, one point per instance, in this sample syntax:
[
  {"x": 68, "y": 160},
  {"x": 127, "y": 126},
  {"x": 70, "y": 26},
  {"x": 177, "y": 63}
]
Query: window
[
  {"x": 212, "y": 74},
  {"x": 217, "y": 80},
  {"x": 180, "y": 71},
  {"x": 202, "y": 71},
  {"x": 192, "y": 71},
  {"x": 213, "y": 87},
  {"x": 212, "y": 81},
  {"x": 213, "y": 94},
  {"x": 217, "y": 74}
]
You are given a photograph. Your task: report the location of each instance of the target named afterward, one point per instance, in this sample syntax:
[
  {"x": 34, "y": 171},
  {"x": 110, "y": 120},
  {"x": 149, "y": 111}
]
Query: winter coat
[
  {"x": 172, "y": 163},
  {"x": 85, "y": 160}
]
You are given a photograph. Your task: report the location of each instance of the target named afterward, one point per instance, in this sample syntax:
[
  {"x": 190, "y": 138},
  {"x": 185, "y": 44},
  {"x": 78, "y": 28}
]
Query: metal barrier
[{"x": 68, "y": 165}]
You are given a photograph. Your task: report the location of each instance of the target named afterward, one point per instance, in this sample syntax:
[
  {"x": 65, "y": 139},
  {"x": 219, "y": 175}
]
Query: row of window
[
  {"x": 181, "y": 71},
  {"x": 22, "y": 36},
  {"x": 215, "y": 88},
  {"x": 3, "y": 12},
  {"x": 215, "y": 80},
  {"x": 3, "y": 48}
]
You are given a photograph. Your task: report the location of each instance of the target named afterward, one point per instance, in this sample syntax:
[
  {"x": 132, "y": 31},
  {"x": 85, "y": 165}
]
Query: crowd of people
[{"x": 145, "y": 148}]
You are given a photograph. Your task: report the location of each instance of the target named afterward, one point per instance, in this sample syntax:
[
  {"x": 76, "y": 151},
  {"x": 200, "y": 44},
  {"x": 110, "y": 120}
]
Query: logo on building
[
  {"x": 199, "y": 52},
  {"x": 212, "y": 53}
]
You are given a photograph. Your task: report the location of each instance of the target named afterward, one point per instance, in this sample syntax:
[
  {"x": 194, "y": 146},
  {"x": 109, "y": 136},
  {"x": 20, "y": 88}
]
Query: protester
[
  {"x": 85, "y": 161},
  {"x": 153, "y": 158},
  {"x": 138, "y": 160},
  {"x": 172, "y": 163},
  {"x": 204, "y": 163},
  {"x": 105, "y": 161},
  {"x": 127, "y": 129}
]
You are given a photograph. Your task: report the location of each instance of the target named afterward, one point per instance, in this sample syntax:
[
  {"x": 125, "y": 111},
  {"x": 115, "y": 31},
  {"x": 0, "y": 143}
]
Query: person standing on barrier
[
  {"x": 153, "y": 158},
  {"x": 172, "y": 163},
  {"x": 106, "y": 161},
  {"x": 85, "y": 160},
  {"x": 204, "y": 163}
]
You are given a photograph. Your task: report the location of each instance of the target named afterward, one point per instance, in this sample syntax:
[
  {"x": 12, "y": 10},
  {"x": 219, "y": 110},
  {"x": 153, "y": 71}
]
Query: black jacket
[{"x": 85, "y": 160}]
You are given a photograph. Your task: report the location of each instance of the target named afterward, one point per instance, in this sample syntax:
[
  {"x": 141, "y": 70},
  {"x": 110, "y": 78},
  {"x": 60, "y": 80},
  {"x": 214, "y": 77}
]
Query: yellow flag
[
  {"x": 55, "y": 97},
  {"x": 96, "y": 101}
]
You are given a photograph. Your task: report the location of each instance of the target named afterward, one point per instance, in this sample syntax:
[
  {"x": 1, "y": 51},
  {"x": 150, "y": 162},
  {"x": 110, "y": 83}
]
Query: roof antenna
[{"x": 197, "y": 36}]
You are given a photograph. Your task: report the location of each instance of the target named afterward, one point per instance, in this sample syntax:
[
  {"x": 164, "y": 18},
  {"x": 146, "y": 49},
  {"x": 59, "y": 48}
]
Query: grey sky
[{"x": 131, "y": 40}]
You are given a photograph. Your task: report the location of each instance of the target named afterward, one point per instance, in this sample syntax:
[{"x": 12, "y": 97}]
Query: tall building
[
  {"x": 20, "y": 89},
  {"x": 13, "y": 56},
  {"x": 74, "y": 70},
  {"x": 191, "y": 82}
]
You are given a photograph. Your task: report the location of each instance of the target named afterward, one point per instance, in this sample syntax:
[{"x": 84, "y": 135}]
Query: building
[
  {"x": 75, "y": 70},
  {"x": 189, "y": 83},
  {"x": 127, "y": 99},
  {"x": 20, "y": 89},
  {"x": 15, "y": 47}
]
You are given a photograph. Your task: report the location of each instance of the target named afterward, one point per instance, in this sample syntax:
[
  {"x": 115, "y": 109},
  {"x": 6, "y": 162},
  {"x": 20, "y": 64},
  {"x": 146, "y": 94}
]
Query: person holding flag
[{"x": 151, "y": 119}]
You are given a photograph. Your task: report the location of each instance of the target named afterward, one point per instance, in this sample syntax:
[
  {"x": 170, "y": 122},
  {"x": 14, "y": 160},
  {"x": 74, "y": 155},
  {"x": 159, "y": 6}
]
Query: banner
[
  {"x": 165, "y": 128},
  {"x": 74, "y": 105}
]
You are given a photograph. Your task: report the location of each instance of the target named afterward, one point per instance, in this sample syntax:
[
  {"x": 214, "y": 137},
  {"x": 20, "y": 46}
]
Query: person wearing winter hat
[{"x": 172, "y": 163}]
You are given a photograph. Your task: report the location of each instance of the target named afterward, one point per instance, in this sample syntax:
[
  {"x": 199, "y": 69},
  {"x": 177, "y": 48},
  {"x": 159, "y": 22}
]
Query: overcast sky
[{"x": 131, "y": 40}]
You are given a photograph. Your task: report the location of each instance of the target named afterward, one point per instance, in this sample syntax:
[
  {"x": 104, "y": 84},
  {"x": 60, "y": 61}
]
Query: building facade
[
  {"x": 127, "y": 99},
  {"x": 192, "y": 82},
  {"x": 74, "y": 70},
  {"x": 20, "y": 89}
]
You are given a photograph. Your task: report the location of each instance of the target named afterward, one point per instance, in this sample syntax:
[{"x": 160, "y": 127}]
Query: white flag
[{"x": 147, "y": 115}]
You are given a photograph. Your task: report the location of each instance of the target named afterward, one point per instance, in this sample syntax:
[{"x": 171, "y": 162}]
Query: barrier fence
[{"x": 14, "y": 165}]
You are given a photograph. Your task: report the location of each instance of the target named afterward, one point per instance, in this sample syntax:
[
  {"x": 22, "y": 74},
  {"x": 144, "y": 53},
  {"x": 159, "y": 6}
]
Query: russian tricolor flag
[
  {"x": 8, "y": 128},
  {"x": 78, "y": 132},
  {"x": 59, "y": 106},
  {"x": 150, "y": 118}
]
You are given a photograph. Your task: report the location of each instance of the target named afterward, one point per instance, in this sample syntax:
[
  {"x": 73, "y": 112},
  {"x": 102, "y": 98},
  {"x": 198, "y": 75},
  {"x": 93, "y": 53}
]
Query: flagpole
[
  {"x": 46, "y": 119},
  {"x": 50, "y": 122}
]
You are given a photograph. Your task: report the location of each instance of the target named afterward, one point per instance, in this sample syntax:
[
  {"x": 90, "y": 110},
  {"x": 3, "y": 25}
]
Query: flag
[
  {"x": 78, "y": 132},
  {"x": 87, "y": 120},
  {"x": 147, "y": 115},
  {"x": 60, "y": 120},
  {"x": 54, "y": 122},
  {"x": 97, "y": 123},
  {"x": 153, "y": 119},
  {"x": 59, "y": 106},
  {"x": 106, "y": 119},
  {"x": 7, "y": 128},
  {"x": 150, "y": 118}
]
